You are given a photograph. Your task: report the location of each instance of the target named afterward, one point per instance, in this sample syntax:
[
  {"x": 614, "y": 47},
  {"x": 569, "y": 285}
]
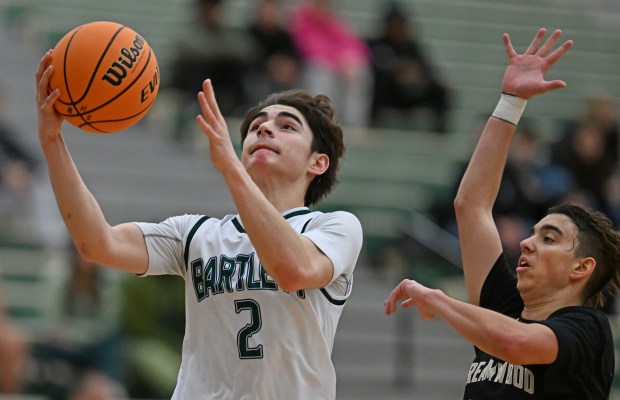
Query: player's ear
[
  {"x": 584, "y": 268},
  {"x": 319, "y": 162}
]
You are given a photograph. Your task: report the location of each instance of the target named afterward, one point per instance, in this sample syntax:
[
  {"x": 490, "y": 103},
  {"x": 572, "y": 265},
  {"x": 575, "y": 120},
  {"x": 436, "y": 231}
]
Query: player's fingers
[
  {"x": 407, "y": 303},
  {"x": 388, "y": 307},
  {"x": 51, "y": 99},
  {"x": 510, "y": 51},
  {"x": 205, "y": 127},
  {"x": 552, "y": 85},
  {"x": 207, "y": 87},
  {"x": 206, "y": 115},
  {"x": 395, "y": 296},
  {"x": 45, "y": 60},
  {"x": 536, "y": 41},
  {"x": 207, "y": 112},
  {"x": 559, "y": 52},
  {"x": 545, "y": 49},
  {"x": 390, "y": 304},
  {"x": 43, "y": 86}
]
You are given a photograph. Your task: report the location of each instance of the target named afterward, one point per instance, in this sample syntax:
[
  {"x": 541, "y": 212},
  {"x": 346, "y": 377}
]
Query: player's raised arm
[
  {"x": 292, "y": 260},
  {"x": 523, "y": 79},
  {"x": 121, "y": 246}
]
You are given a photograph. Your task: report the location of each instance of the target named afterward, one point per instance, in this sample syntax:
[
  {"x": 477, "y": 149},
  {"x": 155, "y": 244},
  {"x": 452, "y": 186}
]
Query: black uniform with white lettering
[{"x": 585, "y": 364}]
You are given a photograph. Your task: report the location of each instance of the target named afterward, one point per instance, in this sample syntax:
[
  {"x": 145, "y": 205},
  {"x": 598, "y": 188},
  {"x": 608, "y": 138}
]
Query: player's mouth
[
  {"x": 523, "y": 265},
  {"x": 261, "y": 146}
]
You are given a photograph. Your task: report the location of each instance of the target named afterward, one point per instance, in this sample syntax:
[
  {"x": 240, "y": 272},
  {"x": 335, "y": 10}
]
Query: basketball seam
[
  {"x": 92, "y": 77},
  {"x": 129, "y": 86},
  {"x": 74, "y": 104}
]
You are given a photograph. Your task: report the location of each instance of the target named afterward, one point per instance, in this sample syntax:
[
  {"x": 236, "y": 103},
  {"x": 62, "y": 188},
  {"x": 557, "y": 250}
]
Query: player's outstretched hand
[
  {"x": 410, "y": 293},
  {"x": 524, "y": 76},
  {"x": 212, "y": 123},
  {"x": 49, "y": 120}
]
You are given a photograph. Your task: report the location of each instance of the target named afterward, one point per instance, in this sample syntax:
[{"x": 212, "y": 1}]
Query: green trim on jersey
[
  {"x": 240, "y": 228},
  {"x": 237, "y": 225},
  {"x": 190, "y": 236},
  {"x": 331, "y": 299},
  {"x": 303, "y": 229},
  {"x": 296, "y": 213}
]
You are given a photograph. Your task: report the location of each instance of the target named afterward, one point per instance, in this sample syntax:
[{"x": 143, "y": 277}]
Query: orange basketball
[{"x": 107, "y": 75}]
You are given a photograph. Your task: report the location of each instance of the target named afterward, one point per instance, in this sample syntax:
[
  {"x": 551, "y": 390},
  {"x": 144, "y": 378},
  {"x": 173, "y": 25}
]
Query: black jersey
[{"x": 583, "y": 369}]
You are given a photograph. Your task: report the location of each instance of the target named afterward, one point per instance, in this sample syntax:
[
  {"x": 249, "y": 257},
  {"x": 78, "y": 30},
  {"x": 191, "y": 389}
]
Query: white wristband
[{"x": 509, "y": 108}]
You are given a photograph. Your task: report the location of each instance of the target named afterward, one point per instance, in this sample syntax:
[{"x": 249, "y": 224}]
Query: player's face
[
  {"x": 280, "y": 138},
  {"x": 547, "y": 258}
]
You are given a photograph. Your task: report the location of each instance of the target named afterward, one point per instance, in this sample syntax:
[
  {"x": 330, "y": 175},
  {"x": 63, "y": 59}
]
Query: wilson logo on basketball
[{"x": 118, "y": 70}]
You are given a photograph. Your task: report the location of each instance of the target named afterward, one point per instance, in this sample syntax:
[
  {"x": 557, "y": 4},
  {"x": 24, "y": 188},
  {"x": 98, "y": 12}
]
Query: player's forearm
[
  {"x": 79, "y": 209},
  {"x": 481, "y": 181},
  {"x": 277, "y": 244},
  {"x": 492, "y": 332}
]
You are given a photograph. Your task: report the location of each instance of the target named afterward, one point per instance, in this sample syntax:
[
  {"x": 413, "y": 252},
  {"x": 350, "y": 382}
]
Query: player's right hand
[{"x": 49, "y": 120}]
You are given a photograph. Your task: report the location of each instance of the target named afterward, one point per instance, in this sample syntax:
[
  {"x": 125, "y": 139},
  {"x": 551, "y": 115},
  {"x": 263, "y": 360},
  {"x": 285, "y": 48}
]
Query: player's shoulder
[
  {"x": 337, "y": 214},
  {"x": 185, "y": 223},
  {"x": 338, "y": 217}
]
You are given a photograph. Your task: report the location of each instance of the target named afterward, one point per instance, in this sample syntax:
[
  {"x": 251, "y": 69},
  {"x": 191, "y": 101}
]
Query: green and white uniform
[{"x": 245, "y": 338}]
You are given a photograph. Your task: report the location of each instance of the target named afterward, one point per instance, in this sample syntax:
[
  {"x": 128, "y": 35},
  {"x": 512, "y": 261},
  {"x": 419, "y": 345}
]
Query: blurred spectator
[
  {"x": 336, "y": 60},
  {"x": 83, "y": 347},
  {"x": 13, "y": 352},
  {"x": 211, "y": 49},
  {"x": 405, "y": 81},
  {"x": 583, "y": 153},
  {"x": 600, "y": 109},
  {"x": 278, "y": 66}
]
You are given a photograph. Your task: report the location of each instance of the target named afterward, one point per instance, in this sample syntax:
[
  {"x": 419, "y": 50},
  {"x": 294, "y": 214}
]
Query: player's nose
[
  {"x": 264, "y": 129},
  {"x": 526, "y": 245}
]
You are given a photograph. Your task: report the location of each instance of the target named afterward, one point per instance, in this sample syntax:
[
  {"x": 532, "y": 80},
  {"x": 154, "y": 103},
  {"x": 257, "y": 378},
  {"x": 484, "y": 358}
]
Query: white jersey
[{"x": 245, "y": 338}]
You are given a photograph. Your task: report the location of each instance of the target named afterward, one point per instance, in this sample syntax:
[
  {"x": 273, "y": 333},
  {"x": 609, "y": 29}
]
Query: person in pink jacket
[{"x": 336, "y": 59}]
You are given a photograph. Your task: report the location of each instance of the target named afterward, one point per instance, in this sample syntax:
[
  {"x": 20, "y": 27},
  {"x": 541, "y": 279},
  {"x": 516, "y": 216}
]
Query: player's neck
[
  {"x": 284, "y": 201},
  {"x": 541, "y": 309},
  {"x": 283, "y": 196}
]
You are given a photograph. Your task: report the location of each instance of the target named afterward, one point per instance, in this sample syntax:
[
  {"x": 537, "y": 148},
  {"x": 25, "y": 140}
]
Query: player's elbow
[
  {"x": 459, "y": 204},
  {"x": 96, "y": 249},
  {"x": 91, "y": 252},
  {"x": 292, "y": 278},
  {"x": 301, "y": 273},
  {"x": 290, "y": 282},
  {"x": 463, "y": 204},
  {"x": 467, "y": 209},
  {"x": 511, "y": 347}
]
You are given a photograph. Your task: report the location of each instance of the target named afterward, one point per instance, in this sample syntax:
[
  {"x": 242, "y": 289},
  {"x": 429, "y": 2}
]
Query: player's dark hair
[
  {"x": 327, "y": 137},
  {"x": 598, "y": 239}
]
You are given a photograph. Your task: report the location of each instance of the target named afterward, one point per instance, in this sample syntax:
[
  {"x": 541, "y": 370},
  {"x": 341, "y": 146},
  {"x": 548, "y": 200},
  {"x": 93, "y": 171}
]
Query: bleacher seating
[{"x": 30, "y": 276}]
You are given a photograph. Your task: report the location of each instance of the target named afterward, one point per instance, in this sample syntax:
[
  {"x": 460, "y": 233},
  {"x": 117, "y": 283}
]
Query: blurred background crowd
[{"x": 412, "y": 82}]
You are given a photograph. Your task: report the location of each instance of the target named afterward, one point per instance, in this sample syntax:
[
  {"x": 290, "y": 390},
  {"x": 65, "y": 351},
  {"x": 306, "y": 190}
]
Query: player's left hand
[
  {"x": 524, "y": 76},
  {"x": 410, "y": 293},
  {"x": 212, "y": 123}
]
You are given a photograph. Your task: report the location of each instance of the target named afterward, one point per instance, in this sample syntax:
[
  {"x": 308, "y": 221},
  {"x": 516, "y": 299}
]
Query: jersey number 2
[{"x": 245, "y": 351}]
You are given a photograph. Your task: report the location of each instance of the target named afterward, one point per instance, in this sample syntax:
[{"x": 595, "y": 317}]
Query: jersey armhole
[{"x": 190, "y": 236}]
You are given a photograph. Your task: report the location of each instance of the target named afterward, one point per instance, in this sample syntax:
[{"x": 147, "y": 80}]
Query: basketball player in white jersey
[{"x": 265, "y": 287}]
